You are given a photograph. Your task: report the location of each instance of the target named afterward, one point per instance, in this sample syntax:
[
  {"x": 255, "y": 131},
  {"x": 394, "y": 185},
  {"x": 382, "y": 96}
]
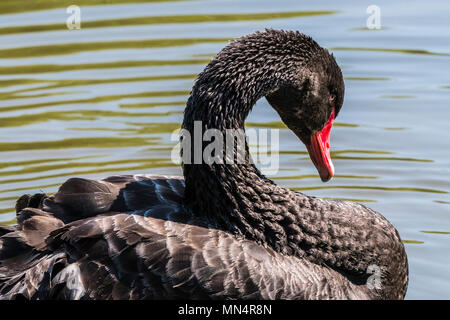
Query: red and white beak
[{"x": 319, "y": 150}]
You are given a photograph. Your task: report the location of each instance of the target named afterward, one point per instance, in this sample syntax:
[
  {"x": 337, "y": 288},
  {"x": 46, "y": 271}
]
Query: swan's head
[
  {"x": 309, "y": 97},
  {"x": 299, "y": 78}
]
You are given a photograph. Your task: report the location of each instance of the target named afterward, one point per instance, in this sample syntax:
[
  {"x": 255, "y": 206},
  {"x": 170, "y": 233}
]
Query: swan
[{"x": 224, "y": 231}]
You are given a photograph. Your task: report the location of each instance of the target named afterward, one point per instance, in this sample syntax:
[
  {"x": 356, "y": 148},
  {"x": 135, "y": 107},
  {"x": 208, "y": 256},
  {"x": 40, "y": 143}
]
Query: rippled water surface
[{"x": 105, "y": 99}]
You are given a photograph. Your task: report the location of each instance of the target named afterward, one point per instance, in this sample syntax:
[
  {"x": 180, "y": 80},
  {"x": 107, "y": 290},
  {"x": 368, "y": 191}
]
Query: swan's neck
[{"x": 227, "y": 193}]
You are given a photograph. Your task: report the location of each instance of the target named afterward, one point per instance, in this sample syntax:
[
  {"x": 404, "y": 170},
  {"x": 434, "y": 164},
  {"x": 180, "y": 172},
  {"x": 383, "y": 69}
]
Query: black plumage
[{"x": 224, "y": 231}]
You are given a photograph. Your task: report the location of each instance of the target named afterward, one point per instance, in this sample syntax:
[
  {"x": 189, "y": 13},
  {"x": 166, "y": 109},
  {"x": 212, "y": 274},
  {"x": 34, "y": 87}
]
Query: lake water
[{"x": 105, "y": 99}]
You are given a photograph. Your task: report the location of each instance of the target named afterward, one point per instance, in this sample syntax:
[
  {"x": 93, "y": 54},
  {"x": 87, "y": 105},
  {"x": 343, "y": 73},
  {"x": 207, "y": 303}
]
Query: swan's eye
[{"x": 332, "y": 98}]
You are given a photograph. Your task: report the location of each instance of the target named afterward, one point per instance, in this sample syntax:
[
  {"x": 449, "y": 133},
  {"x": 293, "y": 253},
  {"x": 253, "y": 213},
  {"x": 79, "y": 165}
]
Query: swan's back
[{"x": 130, "y": 237}]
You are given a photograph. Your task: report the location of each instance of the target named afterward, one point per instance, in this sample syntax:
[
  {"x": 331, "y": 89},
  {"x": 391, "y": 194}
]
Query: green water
[{"x": 105, "y": 100}]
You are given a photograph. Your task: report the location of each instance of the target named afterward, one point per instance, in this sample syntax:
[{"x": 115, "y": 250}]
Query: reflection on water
[
  {"x": 71, "y": 48},
  {"x": 105, "y": 100},
  {"x": 443, "y": 202},
  {"x": 348, "y": 199},
  {"x": 412, "y": 241},
  {"x": 370, "y": 188},
  {"x": 436, "y": 232},
  {"x": 408, "y": 51},
  {"x": 16, "y": 6},
  {"x": 158, "y": 20}
]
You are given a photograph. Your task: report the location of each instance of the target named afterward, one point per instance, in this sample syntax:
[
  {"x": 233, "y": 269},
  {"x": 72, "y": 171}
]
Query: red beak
[{"x": 319, "y": 150}]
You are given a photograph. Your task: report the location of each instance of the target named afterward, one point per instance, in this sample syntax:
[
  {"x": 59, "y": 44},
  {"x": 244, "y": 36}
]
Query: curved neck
[{"x": 226, "y": 191}]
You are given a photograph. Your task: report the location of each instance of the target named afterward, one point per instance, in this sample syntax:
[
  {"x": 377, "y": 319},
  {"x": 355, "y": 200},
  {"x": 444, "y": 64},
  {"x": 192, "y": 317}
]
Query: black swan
[{"x": 224, "y": 231}]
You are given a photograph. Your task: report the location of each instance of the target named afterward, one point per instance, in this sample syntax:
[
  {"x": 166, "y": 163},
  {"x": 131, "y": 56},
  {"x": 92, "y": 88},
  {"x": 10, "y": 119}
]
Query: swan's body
[{"x": 225, "y": 231}]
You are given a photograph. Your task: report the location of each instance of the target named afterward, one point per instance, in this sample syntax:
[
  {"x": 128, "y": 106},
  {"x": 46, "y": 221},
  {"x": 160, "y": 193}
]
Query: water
[{"x": 105, "y": 99}]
